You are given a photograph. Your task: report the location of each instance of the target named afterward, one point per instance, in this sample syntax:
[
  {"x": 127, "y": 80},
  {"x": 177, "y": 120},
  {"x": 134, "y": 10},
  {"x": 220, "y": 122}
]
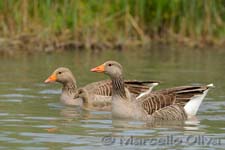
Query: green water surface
[{"x": 32, "y": 118}]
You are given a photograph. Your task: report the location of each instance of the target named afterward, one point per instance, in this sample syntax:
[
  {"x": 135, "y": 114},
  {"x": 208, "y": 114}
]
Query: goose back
[{"x": 104, "y": 87}]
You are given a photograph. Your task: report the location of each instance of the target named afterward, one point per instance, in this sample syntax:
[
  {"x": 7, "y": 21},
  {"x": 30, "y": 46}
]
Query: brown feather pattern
[
  {"x": 169, "y": 103},
  {"x": 171, "y": 112},
  {"x": 105, "y": 87},
  {"x": 154, "y": 102}
]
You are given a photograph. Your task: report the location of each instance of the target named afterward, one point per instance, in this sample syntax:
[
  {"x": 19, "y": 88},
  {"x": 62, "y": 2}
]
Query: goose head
[
  {"x": 111, "y": 68},
  {"x": 62, "y": 75}
]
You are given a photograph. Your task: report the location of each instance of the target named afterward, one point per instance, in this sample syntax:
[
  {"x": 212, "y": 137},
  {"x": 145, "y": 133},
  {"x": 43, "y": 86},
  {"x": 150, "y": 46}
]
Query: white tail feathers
[
  {"x": 191, "y": 108},
  {"x": 151, "y": 86},
  {"x": 210, "y": 85}
]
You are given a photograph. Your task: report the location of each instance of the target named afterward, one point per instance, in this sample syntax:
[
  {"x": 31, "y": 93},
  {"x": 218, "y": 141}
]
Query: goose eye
[
  {"x": 110, "y": 65},
  {"x": 60, "y": 72},
  {"x": 80, "y": 91}
]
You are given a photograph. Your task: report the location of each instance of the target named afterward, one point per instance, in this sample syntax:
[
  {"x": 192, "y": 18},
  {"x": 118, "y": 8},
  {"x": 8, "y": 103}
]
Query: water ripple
[
  {"x": 48, "y": 91},
  {"x": 18, "y": 96}
]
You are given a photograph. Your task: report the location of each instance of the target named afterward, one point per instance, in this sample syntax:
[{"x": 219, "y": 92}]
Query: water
[{"x": 31, "y": 117}]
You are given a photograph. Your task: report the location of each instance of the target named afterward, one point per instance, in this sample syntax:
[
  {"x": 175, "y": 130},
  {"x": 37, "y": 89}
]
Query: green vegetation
[{"x": 109, "y": 23}]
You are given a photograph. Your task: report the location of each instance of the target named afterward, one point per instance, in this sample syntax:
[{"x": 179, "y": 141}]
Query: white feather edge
[
  {"x": 191, "y": 108},
  {"x": 151, "y": 86}
]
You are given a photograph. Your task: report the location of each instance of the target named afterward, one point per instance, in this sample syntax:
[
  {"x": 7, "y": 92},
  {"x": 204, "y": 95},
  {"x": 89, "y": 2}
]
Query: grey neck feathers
[
  {"x": 70, "y": 87},
  {"x": 118, "y": 86}
]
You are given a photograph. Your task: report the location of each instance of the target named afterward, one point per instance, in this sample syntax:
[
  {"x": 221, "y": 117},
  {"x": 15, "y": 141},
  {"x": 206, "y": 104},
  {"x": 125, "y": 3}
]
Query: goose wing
[
  {"x": 184, "y": 94},
  {"x": 171, "y": 112},
  {"x": 172, "y": 100},
  {"x": 104, "y": 87},
  {"x": 156, "y": 101}
]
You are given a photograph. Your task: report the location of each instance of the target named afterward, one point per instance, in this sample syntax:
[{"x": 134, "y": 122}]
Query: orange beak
[
  {"x": 100, "y": 68},
  {"x": 51, "y": 79}
]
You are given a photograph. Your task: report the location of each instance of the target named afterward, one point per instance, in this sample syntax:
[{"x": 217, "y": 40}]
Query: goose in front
[
  {"x": 178, "y": 103},
  {"x": 96, "y": 95}
]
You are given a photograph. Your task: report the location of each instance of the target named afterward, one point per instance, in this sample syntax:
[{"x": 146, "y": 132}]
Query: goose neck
[{"x": 118, "y": 86}]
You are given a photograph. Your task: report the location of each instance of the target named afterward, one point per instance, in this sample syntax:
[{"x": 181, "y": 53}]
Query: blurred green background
[{"x": 111, "y": 23}]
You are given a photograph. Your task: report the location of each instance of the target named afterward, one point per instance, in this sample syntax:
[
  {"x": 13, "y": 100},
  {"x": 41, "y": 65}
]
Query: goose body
[
  {"x": 94, "y": 95},
  {"x": 176, "y": 103}
]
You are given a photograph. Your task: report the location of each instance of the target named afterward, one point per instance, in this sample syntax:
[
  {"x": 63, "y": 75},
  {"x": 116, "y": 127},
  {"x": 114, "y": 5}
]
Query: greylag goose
[
  {"x": 65, "y": 77},
  {"x": 97, "y": 94},
  {"x": 177, "y": 103}
]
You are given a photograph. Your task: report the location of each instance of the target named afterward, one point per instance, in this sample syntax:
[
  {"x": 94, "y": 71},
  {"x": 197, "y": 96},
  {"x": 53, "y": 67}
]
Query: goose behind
[
  {"x": 96, "y": 95},
  {"x": 64, "y": 76}
]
